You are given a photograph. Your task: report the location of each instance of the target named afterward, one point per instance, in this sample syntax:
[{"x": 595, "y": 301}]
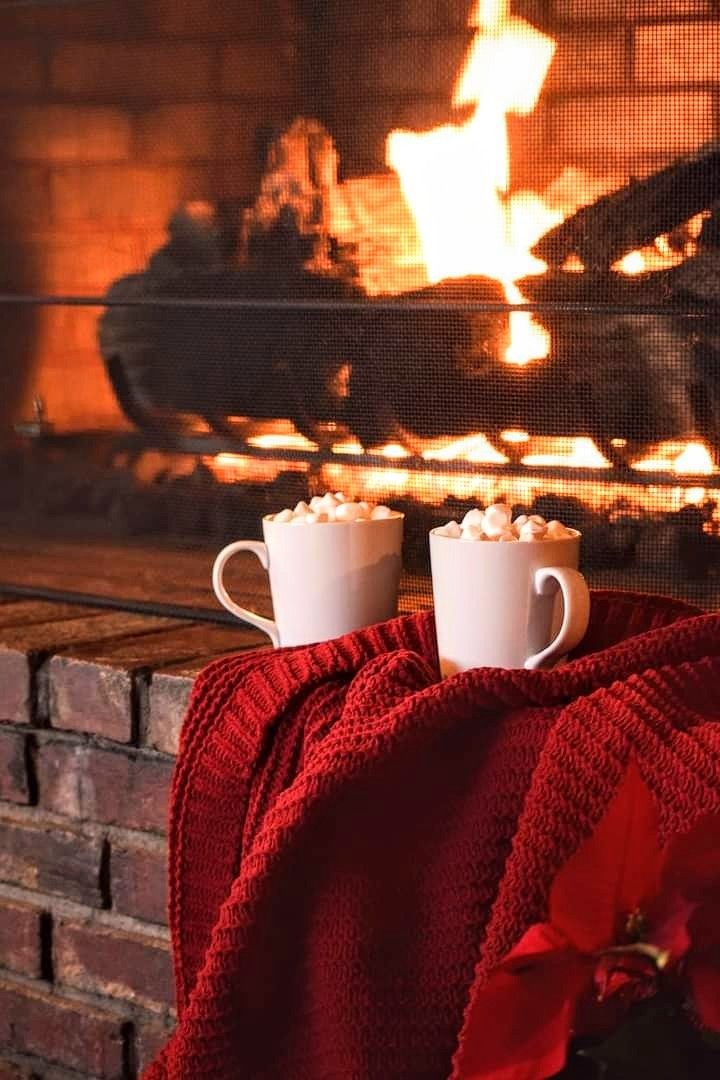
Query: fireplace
[{"x": 434, "y": 252}]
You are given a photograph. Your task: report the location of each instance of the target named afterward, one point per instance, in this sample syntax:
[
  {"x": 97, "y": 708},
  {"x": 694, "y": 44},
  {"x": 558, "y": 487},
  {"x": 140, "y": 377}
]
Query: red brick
[
  {"x": 20, "y": 646},
  {"x": 24, "y": 195},
  {"x": 131, "y": 71},
  {"x": 138, "y": 883},
  {"x": 620, "y": 125},
  {"x": 409, "y": 65},
  {"x": 21, "y": 68},
  {"x": 586, "y": 61},
  {"x": 14, "y": 786},
  {"x": 46, "y": 20},
  {"x": 178, "y": 133},
  {"x": 677, "y": 53},
  {"x": 10, "y": 1071},
  {"x": 630, "y": 10},
  {"x": 194, "y": 18},
  {"x": 85, "y": 696},
  {"x": 29, "y": 1067},
  {"x": 77, "y": 1036},
  {"x": 20, "y": 938},
  {"x": 122, "y": 194},
  {"x": 150, "y": 1038},
  {"x": 111, "y": 787},
  {"x": 78, "y": 261},
  {"x": 129, "y": 966},
  {"x": 260, "y": 69},
  {"x": 55, "y": 133},
  {"x": 59, "y": 861}
]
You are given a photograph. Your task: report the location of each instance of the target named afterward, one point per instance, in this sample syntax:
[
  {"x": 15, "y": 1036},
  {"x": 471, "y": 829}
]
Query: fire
[
  {"x": 456, "y": 178},
  {"x": 682, "y": 459}
]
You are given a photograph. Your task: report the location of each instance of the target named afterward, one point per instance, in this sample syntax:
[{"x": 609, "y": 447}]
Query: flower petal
[
  {"x": 615, "y": 871},
  {"x": 520, "y": 1022},
  {"x": 704, "y": 979}
]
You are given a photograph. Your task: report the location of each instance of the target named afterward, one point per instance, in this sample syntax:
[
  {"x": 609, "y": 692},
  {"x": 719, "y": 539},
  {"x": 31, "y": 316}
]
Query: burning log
[
  {"x": 636, "y": 214},
  {"x": 644, "y": 377}
]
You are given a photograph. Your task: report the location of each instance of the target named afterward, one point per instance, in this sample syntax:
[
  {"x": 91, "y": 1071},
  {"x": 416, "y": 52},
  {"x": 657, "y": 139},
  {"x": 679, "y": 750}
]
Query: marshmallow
[
  {"x": 350, "y": 511},
  {"x": 451, "y": 528},
  {"x": 495, "y": 523},
  {"x": 532, "y": 530},
  {"x": 496, "y": 519},
  {"x": 316, "y": 504},
  {"x": 283, "y": 516},
  {"x": 340, "y": 497},
  {"x": 330, "y": 501},
  {"x": 557, "y": 531},
  {"x": 380, "y": 512},
  {"x": 473, "y": 517},
  {"x": 302, "y": 508}
]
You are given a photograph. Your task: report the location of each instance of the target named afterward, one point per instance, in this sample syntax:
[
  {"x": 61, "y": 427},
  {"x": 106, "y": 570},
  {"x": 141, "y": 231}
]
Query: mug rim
[
  {"x": 576, "y": 535},
  {"x": 395, "y": 515}
]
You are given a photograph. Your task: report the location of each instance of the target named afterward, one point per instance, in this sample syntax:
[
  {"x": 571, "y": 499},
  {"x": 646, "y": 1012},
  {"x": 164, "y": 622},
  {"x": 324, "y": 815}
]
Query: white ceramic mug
[
  {"x": 512, "y": 605},
  {"x": 325, "y": 579}
]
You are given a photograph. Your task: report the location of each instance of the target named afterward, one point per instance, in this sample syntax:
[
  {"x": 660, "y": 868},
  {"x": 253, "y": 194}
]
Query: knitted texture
[{"x": 354, "y": 843}]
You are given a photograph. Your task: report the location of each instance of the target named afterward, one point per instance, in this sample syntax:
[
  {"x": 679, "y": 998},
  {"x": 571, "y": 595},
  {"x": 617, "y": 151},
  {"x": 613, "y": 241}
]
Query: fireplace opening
[{"x": 437, "y": 253}]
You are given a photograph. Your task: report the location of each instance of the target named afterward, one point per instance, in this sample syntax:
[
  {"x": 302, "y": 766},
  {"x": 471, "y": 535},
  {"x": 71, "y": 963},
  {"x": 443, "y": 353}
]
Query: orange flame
[{"x": 456, "y": 178}]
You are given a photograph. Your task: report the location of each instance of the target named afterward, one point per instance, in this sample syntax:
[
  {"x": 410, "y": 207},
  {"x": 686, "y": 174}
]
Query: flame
[
  {"x": 456, "y": 178},
  {"x": 682, "y": 459},
  {"x": 290, "y": 440},
  {"x": 570, "y": 453},
  {"x": 475, "y": 448}
]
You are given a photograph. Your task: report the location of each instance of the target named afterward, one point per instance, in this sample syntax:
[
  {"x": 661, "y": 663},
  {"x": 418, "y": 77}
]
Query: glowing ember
[
  {"x": 391, "y": 450},
  {"x": 577, "y": 453},
  {"x": 241, "y": 468},
  {"x": 695, "y": 460},
  {"x": 282, "y": 441},
  {"x": 350, "y": 446},
  {"x": 472, "y": 448},
  {"x": 683, "y": 459},
  {"x": 512, "y": 435},
  {"x": 455, "y": 178}
]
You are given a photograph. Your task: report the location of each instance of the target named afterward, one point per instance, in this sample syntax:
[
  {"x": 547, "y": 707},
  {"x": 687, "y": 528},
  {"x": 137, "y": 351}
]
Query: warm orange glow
[
  {"x": 350, "y": 446},
  {"x": 475, "y": 448},
  {"x": 391, "y": 450},
  {"x": 683, "y": 459},
  {"x": 695, "y": 460},
  {"x": 282, "y": 441},
  {"x": 242, "y": 468},
  {"x": 511, "y": 435},
  {"x": 456, "y": 178},
  {"x": 575, "y": 453}
]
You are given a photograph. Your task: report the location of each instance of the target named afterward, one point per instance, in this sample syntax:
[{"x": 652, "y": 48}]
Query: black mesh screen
[{"x": 434, "y": 253}]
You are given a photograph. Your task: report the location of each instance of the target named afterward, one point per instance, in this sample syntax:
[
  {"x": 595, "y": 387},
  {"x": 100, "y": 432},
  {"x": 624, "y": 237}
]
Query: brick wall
[
  {"x": 111, "y": 113},
  {"x": 90, "y": 712},
  {"x": 633, "y": 83}
]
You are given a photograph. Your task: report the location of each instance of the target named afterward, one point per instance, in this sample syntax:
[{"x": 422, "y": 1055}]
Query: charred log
[
  {"x": 636, "y": 214},
  {"x": 638, "y": 378}
]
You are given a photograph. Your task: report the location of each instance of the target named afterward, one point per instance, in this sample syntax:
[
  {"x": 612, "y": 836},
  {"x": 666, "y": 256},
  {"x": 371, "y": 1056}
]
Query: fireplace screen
[{"x": 436, "y": 253}]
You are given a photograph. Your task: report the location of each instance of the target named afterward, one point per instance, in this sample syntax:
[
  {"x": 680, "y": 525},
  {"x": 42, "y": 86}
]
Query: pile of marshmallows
[
  {"x": 331, "y": 507},
  {"x": 495, "y": 523}
]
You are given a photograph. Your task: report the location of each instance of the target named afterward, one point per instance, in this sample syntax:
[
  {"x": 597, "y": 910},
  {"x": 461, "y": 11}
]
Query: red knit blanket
[{"x": 354, "y": 843}]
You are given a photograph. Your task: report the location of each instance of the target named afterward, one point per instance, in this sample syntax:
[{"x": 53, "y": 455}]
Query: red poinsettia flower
[{"x": 623, "y": 914}]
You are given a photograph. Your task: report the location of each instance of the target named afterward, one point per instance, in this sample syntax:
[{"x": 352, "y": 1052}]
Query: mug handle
[
  {"x": 576, "y": 611},
  {"x": 258, "y": 548}
]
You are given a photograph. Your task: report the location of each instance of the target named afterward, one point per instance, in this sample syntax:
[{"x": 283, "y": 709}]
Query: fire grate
[{"x": 435, "y": 254}]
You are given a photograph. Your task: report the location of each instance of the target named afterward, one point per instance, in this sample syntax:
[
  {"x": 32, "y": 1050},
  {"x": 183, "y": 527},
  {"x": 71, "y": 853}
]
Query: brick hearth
[{"x": 91, "y": 704}]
